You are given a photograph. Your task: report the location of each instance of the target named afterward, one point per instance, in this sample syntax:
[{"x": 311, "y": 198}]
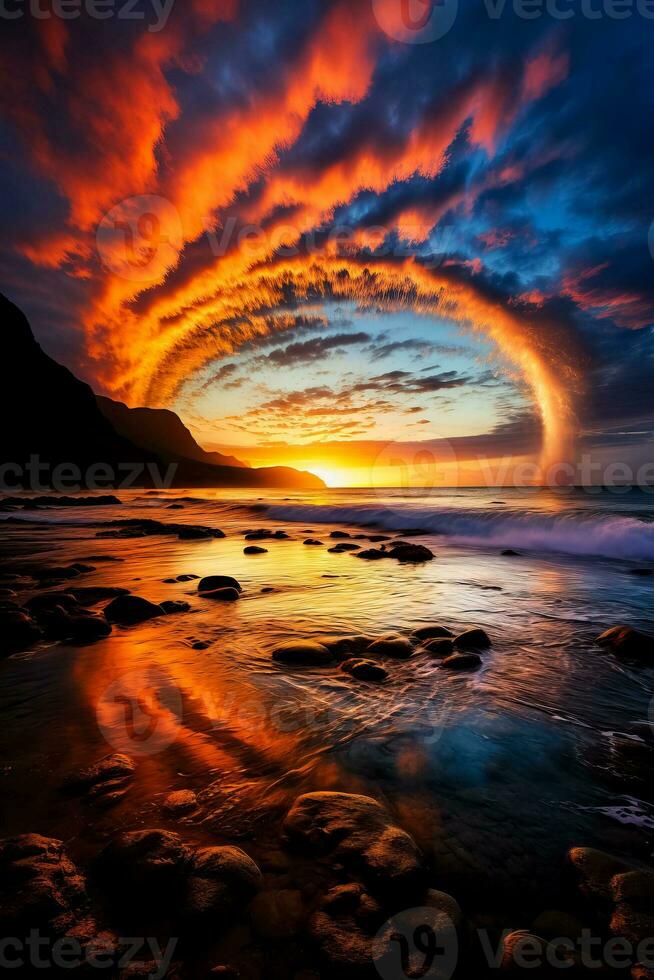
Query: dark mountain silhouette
[
  {"x": 161, "y": 431},
  {"x": 50, "y": 414}
]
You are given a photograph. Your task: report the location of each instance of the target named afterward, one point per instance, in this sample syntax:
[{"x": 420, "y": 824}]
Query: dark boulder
[
  {"x": 624, "y": 641},
  {"x": 302, "y": 653},
  {"x": 313, "y": 542},
  {"x": 360, "y": 833},
  {"x": 372, "y": 554},
  {"x": 339, "y": 534},
  {"x": 411, "y": 553},
  {"x": 147, "y": 865},
  {"x": 213, "y": 582},
  {"x": 254, "y": 550},
  {"x": 223, "y": 595},
  {"x": 40, "y": 887},
  {"x": 364, "y": 670},
  {"x": 221, "y": 879},
  {"x": 431, "y": 632},
  {"x": 18, "y": 631},
  {"x": 128, "y": 610},
  {"x": 439, "y": 647},
  {"x": 172, "y": 606},
  {"x": 50, "y": 600},
  {"x": 391, "y": 646},
  {"x": 86, "y": 628},
  {"x": 473, "y": 639}
]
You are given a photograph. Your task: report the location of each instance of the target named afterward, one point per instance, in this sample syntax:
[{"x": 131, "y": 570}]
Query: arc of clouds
[{"x": 537, "y": 356}]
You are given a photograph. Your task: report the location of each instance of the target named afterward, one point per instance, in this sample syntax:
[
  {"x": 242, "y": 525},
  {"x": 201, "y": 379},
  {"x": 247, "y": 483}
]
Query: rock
[
  {"x": 595, "y": 871},
  {"x": 175, "y": 507},
  {"x": 641, "y": 972},
  {"x": 187, "y": 577},
  {"x": 278, "y": 914},
  {"x": 254, "y": 550},
  {"x": 340, "y": 549},
  {"x": 391, "y": 646},
  {"x": 632, "y": 923},
  {"x": 172, "y": 606},
  {"x": 313, "y": 542},
  {"x": 345, "y": 646},
  {"x": 344, "y": 927},
  {"x": 56, "y": 623},
  {"x": 221, "y": 879},
  {"x": 200, "y": 645},
  {"x": 473, "y": 639},
  {"x": 642, "y": 572},
  {"x": 147, "y": 865},
  {"x": 372, "y": 554},
  {"x": 439, "y": 647},
  {"x": 264, "y": 534},
  {"x": 364, "y": 670},
  {"x": 627, "y": 642},
  {"x": 436, "y": 917},
  {"x": 413, "y": 553},
  {"x": 376, "y": 538},
  {"x": 431, "y": 632},
  {"x": 633, "y": 915},
  {"x": 636, "y": 887},
  {"x": 461, "y": 661},
  {"x": 302, "y": 653},
  {"x": 18, "y": 631},
  {"x": 360, "y": 833},
  {"x": 510, "y": 553},
  {"x": 49, "y": 600},
  {"x": 223, "y": 595},
  {"x": 88, "y": 628},
  {"x": 180, "y": 802},
  {"x": 340, "y": 534},
  {"x": 213, "y": 582},
  {"x": 115, "y": 766},
  {"x": 93, "y": 594},
  {"x": 128, "y": 610},
  {"x": 191, "y": 533},
  {"x": 40, "y": 887}
]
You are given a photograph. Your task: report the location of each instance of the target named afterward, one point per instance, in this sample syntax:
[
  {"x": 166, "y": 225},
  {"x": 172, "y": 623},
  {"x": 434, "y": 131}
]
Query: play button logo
[{"x": 416, "y": 21}]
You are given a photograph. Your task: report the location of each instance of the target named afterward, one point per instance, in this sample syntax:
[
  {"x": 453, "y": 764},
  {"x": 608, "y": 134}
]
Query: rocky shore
[{"x": 339, "y": 885}]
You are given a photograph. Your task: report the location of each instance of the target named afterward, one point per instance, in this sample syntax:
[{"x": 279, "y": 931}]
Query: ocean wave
[{"x": 573, "y": 533}]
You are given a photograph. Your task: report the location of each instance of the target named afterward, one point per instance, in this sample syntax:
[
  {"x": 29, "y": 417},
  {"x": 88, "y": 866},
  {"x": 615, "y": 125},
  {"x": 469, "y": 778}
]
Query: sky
[{"x": 391, "y": 241}]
